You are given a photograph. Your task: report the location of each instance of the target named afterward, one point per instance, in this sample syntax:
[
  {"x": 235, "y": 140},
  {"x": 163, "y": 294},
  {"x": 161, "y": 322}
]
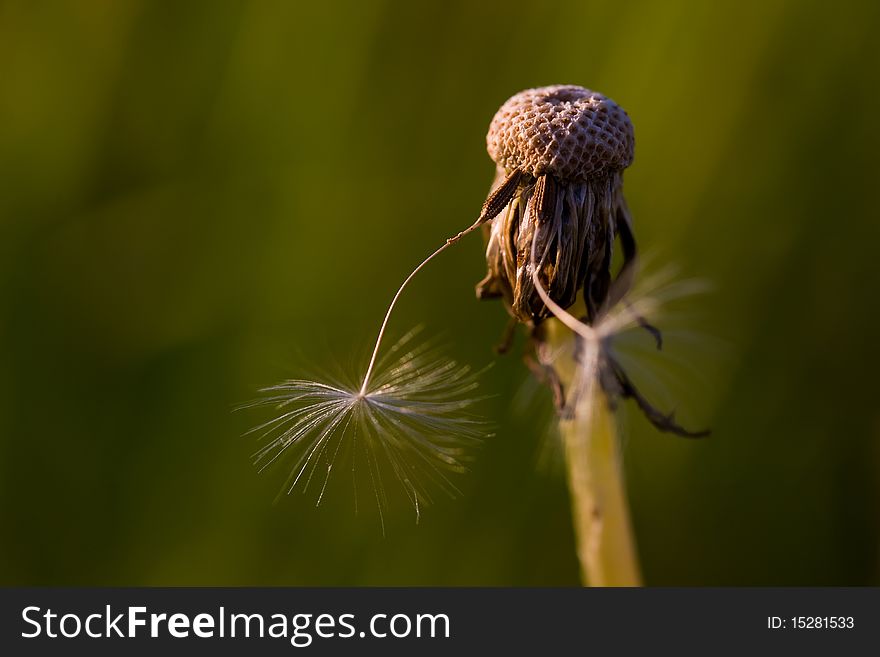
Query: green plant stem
[{"x": 603, "y": 531}]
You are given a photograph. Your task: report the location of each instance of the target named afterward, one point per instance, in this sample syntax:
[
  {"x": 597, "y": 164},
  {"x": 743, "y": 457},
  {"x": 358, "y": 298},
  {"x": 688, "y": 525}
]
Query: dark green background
[{"x": 196, "y": 198}]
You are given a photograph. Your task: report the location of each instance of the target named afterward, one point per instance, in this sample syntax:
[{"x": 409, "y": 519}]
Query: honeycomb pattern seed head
[{"x": 566, "y": 130}]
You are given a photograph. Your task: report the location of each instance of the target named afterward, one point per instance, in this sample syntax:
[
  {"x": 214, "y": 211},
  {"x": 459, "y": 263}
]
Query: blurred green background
[{"x": 197, "y": 198}]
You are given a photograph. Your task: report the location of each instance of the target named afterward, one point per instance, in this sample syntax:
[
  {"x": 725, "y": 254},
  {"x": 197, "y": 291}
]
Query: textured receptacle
[{"x": 564, "y": 130}]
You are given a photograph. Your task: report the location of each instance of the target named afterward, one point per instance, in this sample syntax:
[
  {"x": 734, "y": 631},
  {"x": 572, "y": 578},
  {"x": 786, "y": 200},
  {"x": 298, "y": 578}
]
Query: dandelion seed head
[{"x": 568, "y": 147}]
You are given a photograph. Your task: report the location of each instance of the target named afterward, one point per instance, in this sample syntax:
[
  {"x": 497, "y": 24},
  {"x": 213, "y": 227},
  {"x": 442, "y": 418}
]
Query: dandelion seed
[{"x": 403, "y": 416}]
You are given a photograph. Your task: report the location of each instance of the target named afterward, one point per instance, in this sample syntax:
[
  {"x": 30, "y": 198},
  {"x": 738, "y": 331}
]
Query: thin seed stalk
[{"x": 603, "y": 532}]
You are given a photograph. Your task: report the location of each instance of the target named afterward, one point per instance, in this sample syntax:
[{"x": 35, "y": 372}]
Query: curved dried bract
[{"x": 579, "y": 223}]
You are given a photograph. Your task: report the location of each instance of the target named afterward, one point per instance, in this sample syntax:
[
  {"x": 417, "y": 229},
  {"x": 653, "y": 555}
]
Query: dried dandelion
[{"x": 551, "y": 245}]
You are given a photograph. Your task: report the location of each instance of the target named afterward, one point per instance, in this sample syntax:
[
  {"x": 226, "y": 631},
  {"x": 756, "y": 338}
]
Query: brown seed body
[{"x": 570, "y": 146}]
